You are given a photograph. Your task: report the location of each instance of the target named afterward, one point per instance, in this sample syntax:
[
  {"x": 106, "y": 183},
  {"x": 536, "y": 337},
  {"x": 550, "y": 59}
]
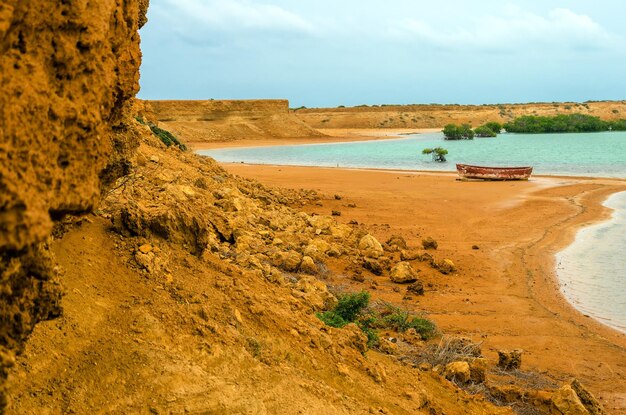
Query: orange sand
[{"x": 505, "y": 293}]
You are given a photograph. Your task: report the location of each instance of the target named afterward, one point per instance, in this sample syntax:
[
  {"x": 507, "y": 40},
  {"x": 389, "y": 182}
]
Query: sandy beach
[
  {"x": 331, "y": 135},
  {"x": 505, "y": 293}
]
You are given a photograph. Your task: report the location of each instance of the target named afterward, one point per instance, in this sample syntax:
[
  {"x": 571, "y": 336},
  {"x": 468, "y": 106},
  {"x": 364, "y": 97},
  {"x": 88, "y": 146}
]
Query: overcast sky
[{"x": 351, "y": 52}]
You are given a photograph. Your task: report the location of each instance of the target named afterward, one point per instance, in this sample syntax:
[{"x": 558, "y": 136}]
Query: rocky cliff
[{"x": 68, "y": 70}]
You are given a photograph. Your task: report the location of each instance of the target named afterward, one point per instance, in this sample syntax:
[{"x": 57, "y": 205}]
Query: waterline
[{"x": 592, "y": 270}]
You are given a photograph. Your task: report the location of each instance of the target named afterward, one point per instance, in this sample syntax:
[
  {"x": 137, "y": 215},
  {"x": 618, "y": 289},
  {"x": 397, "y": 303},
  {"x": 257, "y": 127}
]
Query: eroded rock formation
[{"x": 68, "y": 70}]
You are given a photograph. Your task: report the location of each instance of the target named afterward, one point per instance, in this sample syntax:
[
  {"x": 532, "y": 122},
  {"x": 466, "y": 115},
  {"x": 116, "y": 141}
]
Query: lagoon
[{"x": 575, "y": 154}]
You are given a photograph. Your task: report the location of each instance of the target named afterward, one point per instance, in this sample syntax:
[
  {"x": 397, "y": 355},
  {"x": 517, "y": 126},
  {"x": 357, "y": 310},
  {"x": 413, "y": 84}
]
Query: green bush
[
  {"x": 456, "y": 132},
  {"x": 570, "y": 123},
  {"x": 401, "y": 320},
  {"x": 484, "y": 131},
  {"x": 166, "y": 137},
  {"x": 354, "y": 308}
]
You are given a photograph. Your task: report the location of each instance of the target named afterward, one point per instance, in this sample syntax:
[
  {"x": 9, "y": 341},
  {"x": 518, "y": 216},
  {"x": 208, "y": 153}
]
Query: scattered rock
[
  {"x": 145, "y": 248},
  {"x": 370, "y": 247},
  {"x": 396, "y": 243},
  {"x": 446, "y": 266},
  {"x": 336, "y": 213},
  {"x": 429, "y": 243},
  {"x": 351, "y": 205},
  {"x": 154, "y": 159},
  {"x": 373, "y": 266},
  {"x": 409, "y": 255},
  {"x": 457, "y": 372},
  {"x": 288, "y": 261},
  {"x": 338, "y": 197},
  {"x": 566, "y": 402},
  {"x": 510, "y": 360},
  {"x": 403, "y": 273},
  {"x": 475, "y": 247},
  {"x": 353, "y": 222},
  {"x": 416, "y": 288},
  {"x": 426, "y": 257}
]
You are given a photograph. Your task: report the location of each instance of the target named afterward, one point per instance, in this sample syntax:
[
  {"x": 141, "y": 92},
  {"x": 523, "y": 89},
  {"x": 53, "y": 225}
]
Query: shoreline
[
  {"x": 333, "y": 136},
  {"x": 525, "y": 259}
]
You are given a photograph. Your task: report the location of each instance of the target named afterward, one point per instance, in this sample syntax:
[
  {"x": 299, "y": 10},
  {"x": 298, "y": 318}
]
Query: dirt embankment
[
  {"x": 197, "y": 122},
  {"x": 68, "y": 70},
  {"x": 436, "y": 116}
]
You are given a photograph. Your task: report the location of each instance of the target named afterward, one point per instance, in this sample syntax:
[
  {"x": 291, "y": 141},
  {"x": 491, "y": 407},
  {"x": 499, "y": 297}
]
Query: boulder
[
  {"x": 510, "y": 360},
  {"x": 416, "y": 288},
  {"x": 429, "y": 243},
  {"x": 406, "y": 255},
  {"x": 403, "y": 273},
  {"x": 373, "y": 266},
  {"x": 396, "y": 243},
  {"x": 446, "y": 266},
  {"x": 370, "y": 247},
  {"x": 458, "y": 372}
]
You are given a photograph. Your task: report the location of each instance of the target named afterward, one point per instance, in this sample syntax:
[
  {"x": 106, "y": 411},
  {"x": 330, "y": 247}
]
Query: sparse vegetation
[
  {"x": 354, "y": 308},
  {"x": 484, "y": 131},
  {"x": 165, "y": 136},
  {"x": 571, "y": 123},
  {"x": 438, "y": 153}
]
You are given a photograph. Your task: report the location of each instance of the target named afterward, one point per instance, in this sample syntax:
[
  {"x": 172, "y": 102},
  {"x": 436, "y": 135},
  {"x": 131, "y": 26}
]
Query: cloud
[
  {"x": 232, "y": 16},
  {"x": 515, "y": 29}
]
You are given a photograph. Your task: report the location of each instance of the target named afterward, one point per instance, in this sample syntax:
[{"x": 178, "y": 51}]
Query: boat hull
[{"x": 467, "y": 172}]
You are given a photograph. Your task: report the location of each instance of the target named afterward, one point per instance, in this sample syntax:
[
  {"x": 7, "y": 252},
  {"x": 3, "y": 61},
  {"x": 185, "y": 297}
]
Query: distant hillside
[
  {"x": 227, "y": 120},
  {"x": 434, "y": 116}
]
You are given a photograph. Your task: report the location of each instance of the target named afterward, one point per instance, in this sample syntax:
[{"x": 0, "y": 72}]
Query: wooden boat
[{"x": 467, "y": 171}]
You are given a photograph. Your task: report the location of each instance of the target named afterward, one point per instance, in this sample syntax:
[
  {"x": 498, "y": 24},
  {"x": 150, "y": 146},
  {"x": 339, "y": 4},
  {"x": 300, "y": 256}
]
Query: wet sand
[{"x": 505, "y": 293}]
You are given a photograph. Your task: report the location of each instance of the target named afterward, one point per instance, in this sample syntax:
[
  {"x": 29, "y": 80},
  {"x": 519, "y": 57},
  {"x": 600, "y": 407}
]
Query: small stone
[
  {"x": 475, "y": 247},
  {"x": 429, "y": 243},
  {"x": 353, "y": 222},
  {"x": 154, "y": 159},
  {"x": 145, "y": 248},
  {"x": 446, "y": 266},
  {"x": 337, "y": 197},
  {"x": 351, "y": 205},
  {"x": 373, "y": 266},
  {"x": 409, "y": 255},
  {"x": 416, "y": 288},
  {"x": 336, "y": 213}
]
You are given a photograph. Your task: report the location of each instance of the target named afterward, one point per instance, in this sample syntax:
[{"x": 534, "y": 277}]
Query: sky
[{"x": 326, "y": 53}]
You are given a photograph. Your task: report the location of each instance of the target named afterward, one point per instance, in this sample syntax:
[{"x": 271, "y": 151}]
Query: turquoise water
[
  {"x": 592, "y": 154},
  {"x": 592, "y": 270}
]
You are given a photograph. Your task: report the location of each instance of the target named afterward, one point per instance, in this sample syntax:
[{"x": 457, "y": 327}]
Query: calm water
[
  {"x": 592, "y": 270},
  {"x": 596, "y": 154}
]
